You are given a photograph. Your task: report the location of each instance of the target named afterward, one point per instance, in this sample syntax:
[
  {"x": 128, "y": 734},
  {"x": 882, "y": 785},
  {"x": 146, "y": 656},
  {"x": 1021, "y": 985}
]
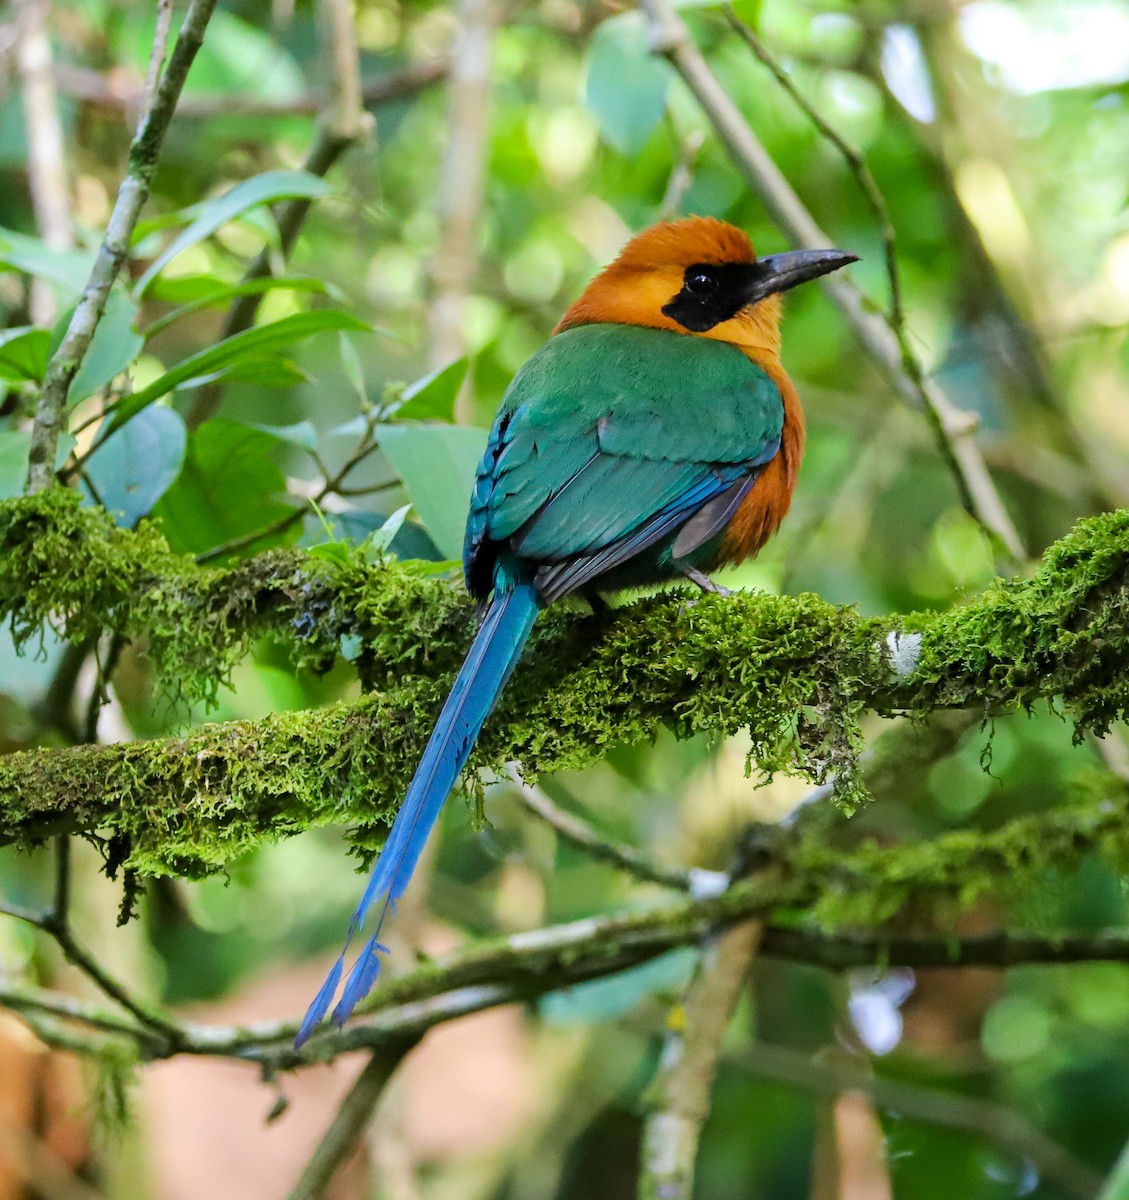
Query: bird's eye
[{"x": 700, "y": 283}]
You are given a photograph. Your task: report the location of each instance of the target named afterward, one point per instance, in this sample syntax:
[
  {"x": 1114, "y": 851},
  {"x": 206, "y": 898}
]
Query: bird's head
[{"x": 700, "y": 276}]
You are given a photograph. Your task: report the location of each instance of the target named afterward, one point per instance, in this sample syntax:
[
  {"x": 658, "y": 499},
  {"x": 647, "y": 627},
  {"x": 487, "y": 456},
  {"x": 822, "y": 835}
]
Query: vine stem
[
  {"x": 152, "y": 126},
  {"x": 887, "y": 346}
]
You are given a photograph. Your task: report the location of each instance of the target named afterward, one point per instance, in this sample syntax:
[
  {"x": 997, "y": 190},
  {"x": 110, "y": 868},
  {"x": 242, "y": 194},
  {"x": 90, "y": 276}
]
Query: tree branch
[
  {"x": 455, "y": 261},
  {"x": 119, "y": 92},
  {"x": 523, "y": 966},
  {"x": 580, "y": 834},
  {"x": 679, "y": 1100},
  {"x": 845, "y": 950},
  {"x": 348, "y": 1124},
  {"x": 46, "y": 154},
  {"x": 1063, "y": 633},
  {"x": 132, "y": 194}
]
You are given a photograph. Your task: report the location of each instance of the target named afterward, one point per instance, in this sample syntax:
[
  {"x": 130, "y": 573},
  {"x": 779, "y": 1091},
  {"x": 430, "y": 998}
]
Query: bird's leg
[
  {"x": 601, "y": 609},
  {"x": 702, "y": 580}
]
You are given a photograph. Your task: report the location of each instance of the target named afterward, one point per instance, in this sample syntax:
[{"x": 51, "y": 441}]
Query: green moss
[
  {"x": 1061, "y": 633},
  {"x": 798, "y": 673},
  {"x": 869, "y": 885},
  {"x": 70, "y": 567}
]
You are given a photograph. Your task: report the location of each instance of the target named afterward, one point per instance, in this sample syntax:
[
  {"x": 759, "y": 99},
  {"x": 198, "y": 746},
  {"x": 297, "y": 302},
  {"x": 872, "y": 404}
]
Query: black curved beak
[{"x": 779, "y": 272}]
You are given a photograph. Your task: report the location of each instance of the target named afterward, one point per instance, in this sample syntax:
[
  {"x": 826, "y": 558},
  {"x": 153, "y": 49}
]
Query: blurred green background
[{"x": 998, "y": 133}]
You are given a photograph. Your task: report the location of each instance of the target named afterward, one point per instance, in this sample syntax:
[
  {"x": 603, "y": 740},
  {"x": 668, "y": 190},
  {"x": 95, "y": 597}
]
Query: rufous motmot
[{"x": 654, "y": 436}]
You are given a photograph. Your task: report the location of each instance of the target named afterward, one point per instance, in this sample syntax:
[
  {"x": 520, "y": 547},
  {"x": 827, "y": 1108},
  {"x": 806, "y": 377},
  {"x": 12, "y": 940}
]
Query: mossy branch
[
  {"x": 796, "y": 671},
  {"x": 523, "y": 966}
]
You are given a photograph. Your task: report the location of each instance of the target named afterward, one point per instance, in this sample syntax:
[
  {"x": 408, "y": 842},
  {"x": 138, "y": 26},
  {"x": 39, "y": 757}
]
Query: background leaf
[
  {"x": 626, "y": 84},
  {"x": 116, "y": 344},
  {"x": 437, "y": 464},
  {"x": 433, "y": 397},
  {"x": 14, "y": 446},
  {"x": 23, "y": 353},
  {"x": 233, "y": 350},
  {"x": 229, "y": 487},
  {"x": 208, "y": 293},
  {"x": 267, "y": 188},
  {"x": 134, "y": 468},
  {"x": 70, "y": 269}
]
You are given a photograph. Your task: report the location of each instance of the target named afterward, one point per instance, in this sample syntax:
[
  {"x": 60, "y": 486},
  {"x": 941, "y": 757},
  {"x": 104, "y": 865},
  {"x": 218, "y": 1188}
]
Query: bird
[{"x": 655, "y": 436}]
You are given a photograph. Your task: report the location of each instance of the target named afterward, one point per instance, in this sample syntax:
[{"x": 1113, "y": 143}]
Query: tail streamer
[{"x": 488, "y": 665}]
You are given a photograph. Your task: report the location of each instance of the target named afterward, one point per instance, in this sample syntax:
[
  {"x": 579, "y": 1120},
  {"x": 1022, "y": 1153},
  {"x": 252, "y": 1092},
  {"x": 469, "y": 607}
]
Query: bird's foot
[{"x": 703, "y": 581}]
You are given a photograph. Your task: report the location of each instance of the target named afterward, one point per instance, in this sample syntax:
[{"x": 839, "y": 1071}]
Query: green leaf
[
  {"x": 133, "y": 469},
  {"x": 354, "y": 427},
  {"x": 264, "y": 371},
  {"x": 23, "y": 354},
  {"x": 351, "y": 365},
  {"x": 354, "y": 526},
  {"x": 14, "y": 447},
  {"x": 627, "y": 84},
  {"x": 239, "y": 348},
  {"x": 228, "y": 488},
  {"x": 70, "y": 269},
  {"x": 377, "y": 542},
  {"x": 267, "y": 188},
  {"x": 437, "y": 465},
  {"x": 302, "y": 434},
  {"x": 211, "y": 296},
  {"x": 433, "y": 397},
  {"x": 114, "y": 347}
]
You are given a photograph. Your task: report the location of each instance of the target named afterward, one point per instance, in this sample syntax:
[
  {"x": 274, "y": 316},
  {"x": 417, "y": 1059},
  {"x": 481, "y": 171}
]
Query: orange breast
[{"x": 770, "y": 497}]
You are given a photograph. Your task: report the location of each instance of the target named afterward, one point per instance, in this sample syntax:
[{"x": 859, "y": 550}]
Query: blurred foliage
[{"x": 996, "y": 130}]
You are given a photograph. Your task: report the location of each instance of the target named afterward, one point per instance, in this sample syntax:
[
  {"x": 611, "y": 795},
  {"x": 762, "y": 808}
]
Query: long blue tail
[{"x": 493, "y": 655}]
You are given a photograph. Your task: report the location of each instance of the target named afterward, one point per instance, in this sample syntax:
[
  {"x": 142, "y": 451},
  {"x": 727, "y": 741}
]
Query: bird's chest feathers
[{"x": 770, "y": 497}]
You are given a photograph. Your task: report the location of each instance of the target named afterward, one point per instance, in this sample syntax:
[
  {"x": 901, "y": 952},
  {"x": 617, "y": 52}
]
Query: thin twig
[
  {"x": 99, "y": 693},
  {"x": 57, "y": 925},
  {"x": 342, "y": 123},
  {"x": 857, "y": 166},
  {"x": 579, "y": 833},
  {"x": 117, "y": 91},
  {"x": 57, "y": 1004},
  {"x": 980, "y": 1118},
  {"x": 680, "y": 1095},
  {"x": 366, "y": 446},
  {"x": 688, "y": 147},
  {"x": 134, "y": 191},
  {"x": 348, "y": 1124},
  {"x": 953, "y": 430}
]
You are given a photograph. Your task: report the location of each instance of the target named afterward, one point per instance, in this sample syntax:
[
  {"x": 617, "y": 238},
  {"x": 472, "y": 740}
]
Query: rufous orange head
[{"x": 700, "y": 276}]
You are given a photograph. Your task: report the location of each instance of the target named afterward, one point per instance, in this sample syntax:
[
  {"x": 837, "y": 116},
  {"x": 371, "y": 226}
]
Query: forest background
[{"x": 248, "y": 342}]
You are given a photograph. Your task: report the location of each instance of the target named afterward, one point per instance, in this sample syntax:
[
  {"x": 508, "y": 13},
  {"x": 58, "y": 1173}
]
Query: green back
[{"x": 607, "y": 426}]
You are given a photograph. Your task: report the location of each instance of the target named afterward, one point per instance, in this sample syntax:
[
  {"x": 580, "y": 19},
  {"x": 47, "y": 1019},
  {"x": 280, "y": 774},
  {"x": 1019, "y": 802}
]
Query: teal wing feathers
[{"x": 609, "y": 440}]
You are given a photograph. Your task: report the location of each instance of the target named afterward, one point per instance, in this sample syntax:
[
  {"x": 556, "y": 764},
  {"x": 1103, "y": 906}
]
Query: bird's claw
[{"x": 702, "y": 581}]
